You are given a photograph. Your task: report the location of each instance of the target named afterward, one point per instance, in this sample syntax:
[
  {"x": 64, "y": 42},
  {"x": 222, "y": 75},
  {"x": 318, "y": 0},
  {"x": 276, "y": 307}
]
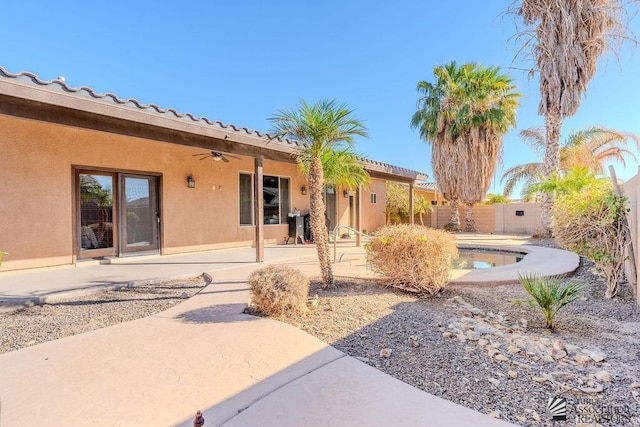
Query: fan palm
[
  {"x": 464, "y": 116},
  {"x": 567, "y": 38},
  {"x": 325, "y": 125},
  {"x": 589, "y": 148}
]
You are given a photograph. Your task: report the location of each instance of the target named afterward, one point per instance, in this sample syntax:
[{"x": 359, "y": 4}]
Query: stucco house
[{"x": 87, "y": 175}]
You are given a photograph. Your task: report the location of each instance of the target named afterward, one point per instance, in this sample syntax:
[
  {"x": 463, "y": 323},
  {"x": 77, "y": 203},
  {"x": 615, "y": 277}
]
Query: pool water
[{"x": 485, "y": 258}]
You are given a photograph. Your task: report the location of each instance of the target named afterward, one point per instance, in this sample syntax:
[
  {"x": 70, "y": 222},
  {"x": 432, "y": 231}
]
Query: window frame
[{"x": 283, "y": 216}]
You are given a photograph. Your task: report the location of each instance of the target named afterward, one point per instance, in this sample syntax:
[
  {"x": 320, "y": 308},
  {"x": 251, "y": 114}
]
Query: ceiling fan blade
[
  {"x": 224, "y": 159},
  {"x": 234, "y": 157}
]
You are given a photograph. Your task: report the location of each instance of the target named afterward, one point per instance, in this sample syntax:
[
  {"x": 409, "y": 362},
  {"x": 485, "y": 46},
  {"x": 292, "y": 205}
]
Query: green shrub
[
  {"x": 590, "y": 222},
  {"x": 549, "y": 294},
  {"x": 451, "y": 227},
  {"x": 1, "y": 254},
  {"x": 279, "y": 290},
  {"x": 412, "y": 257}
]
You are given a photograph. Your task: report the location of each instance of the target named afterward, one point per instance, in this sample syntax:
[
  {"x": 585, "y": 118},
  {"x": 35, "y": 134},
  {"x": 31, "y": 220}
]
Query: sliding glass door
[
  {"x": 117, "y": 214},
  {"x": 139, "y": 217},
  {"x": 98, "y": 224}
]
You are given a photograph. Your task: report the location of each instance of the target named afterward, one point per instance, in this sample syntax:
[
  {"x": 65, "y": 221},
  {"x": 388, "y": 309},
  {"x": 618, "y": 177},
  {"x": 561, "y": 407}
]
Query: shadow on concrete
[{"x": 222, "y": 313}]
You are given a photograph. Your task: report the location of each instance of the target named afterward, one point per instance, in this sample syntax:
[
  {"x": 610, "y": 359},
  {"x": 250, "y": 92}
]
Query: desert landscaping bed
[
  {"x": 74, "y": 315},
  {"x": 474, "y": 346}
]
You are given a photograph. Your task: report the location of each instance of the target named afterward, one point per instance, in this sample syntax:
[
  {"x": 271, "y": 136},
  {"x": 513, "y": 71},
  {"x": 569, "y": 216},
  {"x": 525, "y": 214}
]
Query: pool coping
[{"x": 539, "y": 260}]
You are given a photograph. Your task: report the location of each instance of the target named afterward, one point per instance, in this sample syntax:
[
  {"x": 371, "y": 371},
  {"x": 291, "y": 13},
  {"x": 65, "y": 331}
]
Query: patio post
[
  {"x": 359, "y": 215},
  {"x": 259, "y": 208}
]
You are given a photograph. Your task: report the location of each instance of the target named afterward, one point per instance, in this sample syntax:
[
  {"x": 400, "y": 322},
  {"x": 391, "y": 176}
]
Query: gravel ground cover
[
  {"x": 472, "y": 345},
  {"x": 78, "y": 314}
]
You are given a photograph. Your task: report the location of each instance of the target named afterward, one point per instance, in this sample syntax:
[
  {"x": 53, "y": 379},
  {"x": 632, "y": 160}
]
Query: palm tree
[
  {"x": 567, "y": 38},
  {"x": 341, "y": 167},
  {"x": 464, "y": 116},
  {"x": 590, "y": 148},
  {"x": 320, "y": 126},
  {"x": 422, "y": 206}
]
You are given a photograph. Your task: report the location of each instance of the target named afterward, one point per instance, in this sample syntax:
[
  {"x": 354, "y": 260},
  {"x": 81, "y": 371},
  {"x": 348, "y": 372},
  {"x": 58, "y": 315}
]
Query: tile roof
[{"x": 61, "y": 86}]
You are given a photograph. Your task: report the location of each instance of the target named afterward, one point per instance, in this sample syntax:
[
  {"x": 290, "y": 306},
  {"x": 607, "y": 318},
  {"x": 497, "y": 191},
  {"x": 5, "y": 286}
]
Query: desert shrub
[
  {"x": 1, "y": 254},
  {"x": 550, "y": 295},
  {"x": 590, "y": 222},
  {"x": 412, "y": 257},
  {"x": 451, "y": 227},
  {"x": 279, "y": 290}
]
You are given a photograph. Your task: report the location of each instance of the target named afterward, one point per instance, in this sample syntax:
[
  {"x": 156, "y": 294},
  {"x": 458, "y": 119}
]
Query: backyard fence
[{"x": 501, "y": 218}]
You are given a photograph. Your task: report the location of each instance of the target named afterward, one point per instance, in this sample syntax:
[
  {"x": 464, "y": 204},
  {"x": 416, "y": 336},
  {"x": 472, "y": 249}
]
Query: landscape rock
[
  {"x": 635, "y": 385},
  {"x": 473, "y": 335},
  {"x": 512, "y": 374},
  {"x": 597, "y": 356},
  {"x": 482, "y": 342},
  {"x": 582, "y": 359},
  {"x": 513, "y": 350},
  {"x": 494, "y": 381},
  {"x": 447, "y": 335},
  {"x": 386, "y": 353},
  {"x": 501, "y": 357},
  {"x": 557, "y": 353},
  {"x": 572, "y": 349},
  {"x": 539, "y": 379},
  {"x": 603, "y": 376},
  {"x": 476, "y": 311}
]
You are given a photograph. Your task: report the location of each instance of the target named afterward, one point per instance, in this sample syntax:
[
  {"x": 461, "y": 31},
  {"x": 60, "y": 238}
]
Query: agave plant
[{"x": 550, "y": 294}]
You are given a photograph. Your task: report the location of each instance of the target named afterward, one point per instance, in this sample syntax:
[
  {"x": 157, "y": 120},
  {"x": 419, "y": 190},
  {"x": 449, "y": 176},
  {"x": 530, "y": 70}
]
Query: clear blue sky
[{"x": 241, "y": 61}]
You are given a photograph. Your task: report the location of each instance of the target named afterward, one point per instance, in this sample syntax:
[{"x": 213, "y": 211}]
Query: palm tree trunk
[
  {"x": 420, "y": 216},
  {"x": 455, "y": 213},
  {"x": 470, "y": 222},
  {"x": 318, "y": 224},
  {"x": 553, "y": 124}
]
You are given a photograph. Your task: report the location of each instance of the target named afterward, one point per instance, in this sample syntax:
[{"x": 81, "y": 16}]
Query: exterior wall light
[
  {"x": 191, "y": 183},
  {"x": 303, "y": 190},
  {"x": 345, "y": 193}
]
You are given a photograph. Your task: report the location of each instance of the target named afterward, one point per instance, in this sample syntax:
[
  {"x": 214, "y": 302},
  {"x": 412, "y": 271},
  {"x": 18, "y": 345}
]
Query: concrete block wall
[{"x": 494, "y": 219}]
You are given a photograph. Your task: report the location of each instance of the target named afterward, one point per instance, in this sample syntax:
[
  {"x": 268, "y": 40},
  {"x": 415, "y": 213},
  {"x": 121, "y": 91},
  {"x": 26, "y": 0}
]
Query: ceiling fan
[{"x": 216, "y": 156}]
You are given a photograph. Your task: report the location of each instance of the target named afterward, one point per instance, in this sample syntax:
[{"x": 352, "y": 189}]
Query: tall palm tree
[
  {"x": 320, "y": 126},
  {"x": 567, "y": 38},
  {"x": 590, "y": 148},
  {"x": 464, "y": 116}
]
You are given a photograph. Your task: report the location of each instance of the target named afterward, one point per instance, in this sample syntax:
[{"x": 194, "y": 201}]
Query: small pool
[{"x": 484, "y": 258}]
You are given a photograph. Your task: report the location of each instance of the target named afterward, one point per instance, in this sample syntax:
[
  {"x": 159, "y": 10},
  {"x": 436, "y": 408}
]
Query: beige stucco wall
[
  {"x": 373, "y": 214},
  {"x": 37, "y": 191},
  {"x": 499, "y": 218}
]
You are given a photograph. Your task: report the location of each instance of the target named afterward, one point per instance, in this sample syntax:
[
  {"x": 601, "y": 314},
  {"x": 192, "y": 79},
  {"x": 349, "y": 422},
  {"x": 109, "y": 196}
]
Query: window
[
  {"x": 434, "y": 202},
  {"x": 275, "y": 195},
  {"x": 374, "y": 198},
  {"x": 276, "y": 199},
  {"x": 246, "y": 199}
]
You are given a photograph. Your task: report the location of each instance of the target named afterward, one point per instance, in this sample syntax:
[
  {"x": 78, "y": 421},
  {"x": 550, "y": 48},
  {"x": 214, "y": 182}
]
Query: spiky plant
[{"x": 549, "y": 294}]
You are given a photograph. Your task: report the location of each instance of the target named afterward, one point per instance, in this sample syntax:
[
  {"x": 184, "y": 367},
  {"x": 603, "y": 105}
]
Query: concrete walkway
[{"x": 203, "y": 354}]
